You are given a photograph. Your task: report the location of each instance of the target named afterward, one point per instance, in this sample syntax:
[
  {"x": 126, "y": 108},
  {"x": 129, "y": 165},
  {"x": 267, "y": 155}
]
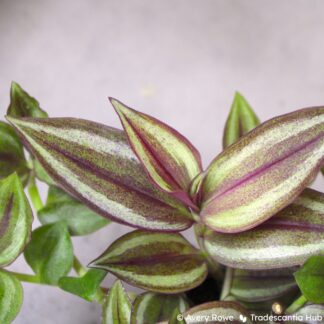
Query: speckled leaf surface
[
  {"x": 160, "y": 262},
  {"x": 286, "y": 240},
  {"x": 95, "y": 164},
  {"x": 263, "y": 172},
  {"x": 117, "y": 307},
  {"x": 15, "y": 219},
  {"x": 11, "y": 297},
  {"x": 241, "y": 120},
  {"x": 168, "y": 157},
  {"x": 154, "y": 308}
]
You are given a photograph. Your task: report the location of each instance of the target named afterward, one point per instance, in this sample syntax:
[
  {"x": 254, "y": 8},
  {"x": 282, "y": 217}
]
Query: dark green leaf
[
  {"x": 161, "y": 262},
  {"x": 15, "y": 219},
  {"x": 117, "y": 308},
  {"x": 22, "y": 104},
  {"x": 78, "y": 217},
  {"x": 86, "y": 286},
  {"x": 50, "y": 252},
  {"x": 11, "y": 297},
  {"x": 310, "y": 279},
  {"x": 153, "y": 308}
]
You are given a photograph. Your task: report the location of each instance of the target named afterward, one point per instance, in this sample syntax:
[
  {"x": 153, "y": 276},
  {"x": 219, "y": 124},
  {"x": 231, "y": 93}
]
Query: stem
[
  {"x": 227, "y": 283},
  {"x": 34, "y": 194},
  {"x": 78, "y": 267},
  {"x": 27, "y": 278},
  {"x": 298, "y": 303}
]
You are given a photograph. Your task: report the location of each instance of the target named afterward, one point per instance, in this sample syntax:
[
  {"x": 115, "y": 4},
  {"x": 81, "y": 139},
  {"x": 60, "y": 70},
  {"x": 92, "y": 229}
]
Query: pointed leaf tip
[{"x": 169, "y": 158}]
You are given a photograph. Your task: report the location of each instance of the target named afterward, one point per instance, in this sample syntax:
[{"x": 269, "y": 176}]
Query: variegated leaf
[
  {"x": 241, "y": 120},
  {"x": 95, "y": 164},
  {"x": 161, "y": 262},
  {"x": 264, "y": 171},
  {"x": 217, "y": 312},
  {"x": 15, "y": 219},
  {"x": 154, "y": 308},
  {"x": 168, "y": 157},
  {"x": 117, "y": 307},
  {"x": 287, "y": 239},
  {"x": 309, "y": 314}
]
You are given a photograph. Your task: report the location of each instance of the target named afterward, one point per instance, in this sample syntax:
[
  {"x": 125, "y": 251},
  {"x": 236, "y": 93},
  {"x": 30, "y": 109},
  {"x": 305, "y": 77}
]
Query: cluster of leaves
[{"x": 255, "y": 220}]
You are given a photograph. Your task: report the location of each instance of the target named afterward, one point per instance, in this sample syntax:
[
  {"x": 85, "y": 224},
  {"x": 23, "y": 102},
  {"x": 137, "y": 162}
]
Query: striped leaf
[
  {"x": 169, "y": 158},
  {"x": 11, "y": 297},
  {"x": 263, "y": 172},
  {"x": 217, "y": 312},
  {"x": 15, "y": 219},
  {"x": 241, "y": 120},
  {"x": 153, "y": 308},
  {"x": 309, "y": 314},
  {"x": 117, "y": 307},
  {"x": 161, "y": 262},
  {"x": 95, "y": 164},
  {"x": 287, "y": 239}
]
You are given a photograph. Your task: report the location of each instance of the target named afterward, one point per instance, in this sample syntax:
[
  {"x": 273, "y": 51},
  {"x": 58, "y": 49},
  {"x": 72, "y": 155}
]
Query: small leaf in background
[
  {"x": 22, "y": 104},
  {"x": 241, "y": 120},
  {"x": 160, "y": 262},
  {"x": 16, "y": 219},
  {"x": 263, "y": 172},
  {"x": 95, "y": 164},
  {"x": 12, "y": 157},
  {"x": 168, "y": 157},
  {"x": 50, "y": 252},
  {"x": 86, "y": 286},
  {"x": 287, "y": 239},
  {"x": 217, "y": 312},
  {"x": 310, "y": 279},
  {"x": 62, "y": 207},
  {"x": 154, "y": 308},
  {"x": 41, "y": 174},
  {"x": 117, "y": 307},
  {"x": 11, "y": 297}
]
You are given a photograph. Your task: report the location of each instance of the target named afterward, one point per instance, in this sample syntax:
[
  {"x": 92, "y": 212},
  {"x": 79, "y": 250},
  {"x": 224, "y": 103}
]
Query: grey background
[{"x": 178, "y": 60}]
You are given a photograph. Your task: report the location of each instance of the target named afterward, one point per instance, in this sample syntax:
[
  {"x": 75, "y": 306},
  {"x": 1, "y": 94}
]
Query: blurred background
[{"x": 178, "y": 60}]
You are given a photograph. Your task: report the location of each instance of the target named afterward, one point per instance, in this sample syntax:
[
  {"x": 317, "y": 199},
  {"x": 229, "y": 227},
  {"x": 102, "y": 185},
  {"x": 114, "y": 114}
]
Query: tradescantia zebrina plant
[{"x": 259, "y": 227}]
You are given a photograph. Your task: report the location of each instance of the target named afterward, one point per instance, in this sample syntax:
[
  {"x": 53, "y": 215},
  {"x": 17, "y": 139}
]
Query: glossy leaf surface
[
  {"x": 264, "y": 171},
  {"x": 153, "y": 308},
  {"x": 50, "y": 252},
  {"x": 117, "y": 308},
  {"x": 217, "y": 312},
  {"x": 12, "y": 157},
  {"x": 62, "y": 207},
  {"x": 11, "y": 297},
  {"x": 287, "y": 239},
  {"x": 310, "y": 279},
  {"x": 15, "y": 219},
  {"x": 85, "y": 286},
  {"x": 241, "y": 120},
  {"x": 95, "y": 164},
  {"x": 161, "y": 262},
  {"x": 168, "y": 157},
  {"x": 22, "y": 104}
]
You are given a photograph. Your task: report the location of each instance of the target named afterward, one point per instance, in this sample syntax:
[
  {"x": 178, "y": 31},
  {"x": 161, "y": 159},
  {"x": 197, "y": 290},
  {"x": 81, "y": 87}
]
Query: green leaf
[
  {"x": 61, "y": 207},
  {"x": 117, "y": 308},
  {"x": 15, "y": 219},
  {"x": 240, "y": 121},
  {"x": 11, "y": 297},
  {"x": 41, "y": 174},
  {"x": 12, "y": 157},
  {"x": 310, "y": 279},
  {"x": 22, "y": 104},
  {"x": 168, "y": 157},
  {"x": 154, "y": 308},
  {"x": 86, "y": 286},
  {"x": 263, "y": 172},
  {"x": 176, "y": 317},
  {"x": 50, "y": 252},
  {"x": 160, "y": 262},
  {"x": 217, "y": 312},
  {"x": 95, "y": 164},
  {"x": 288, "y": 239}
]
